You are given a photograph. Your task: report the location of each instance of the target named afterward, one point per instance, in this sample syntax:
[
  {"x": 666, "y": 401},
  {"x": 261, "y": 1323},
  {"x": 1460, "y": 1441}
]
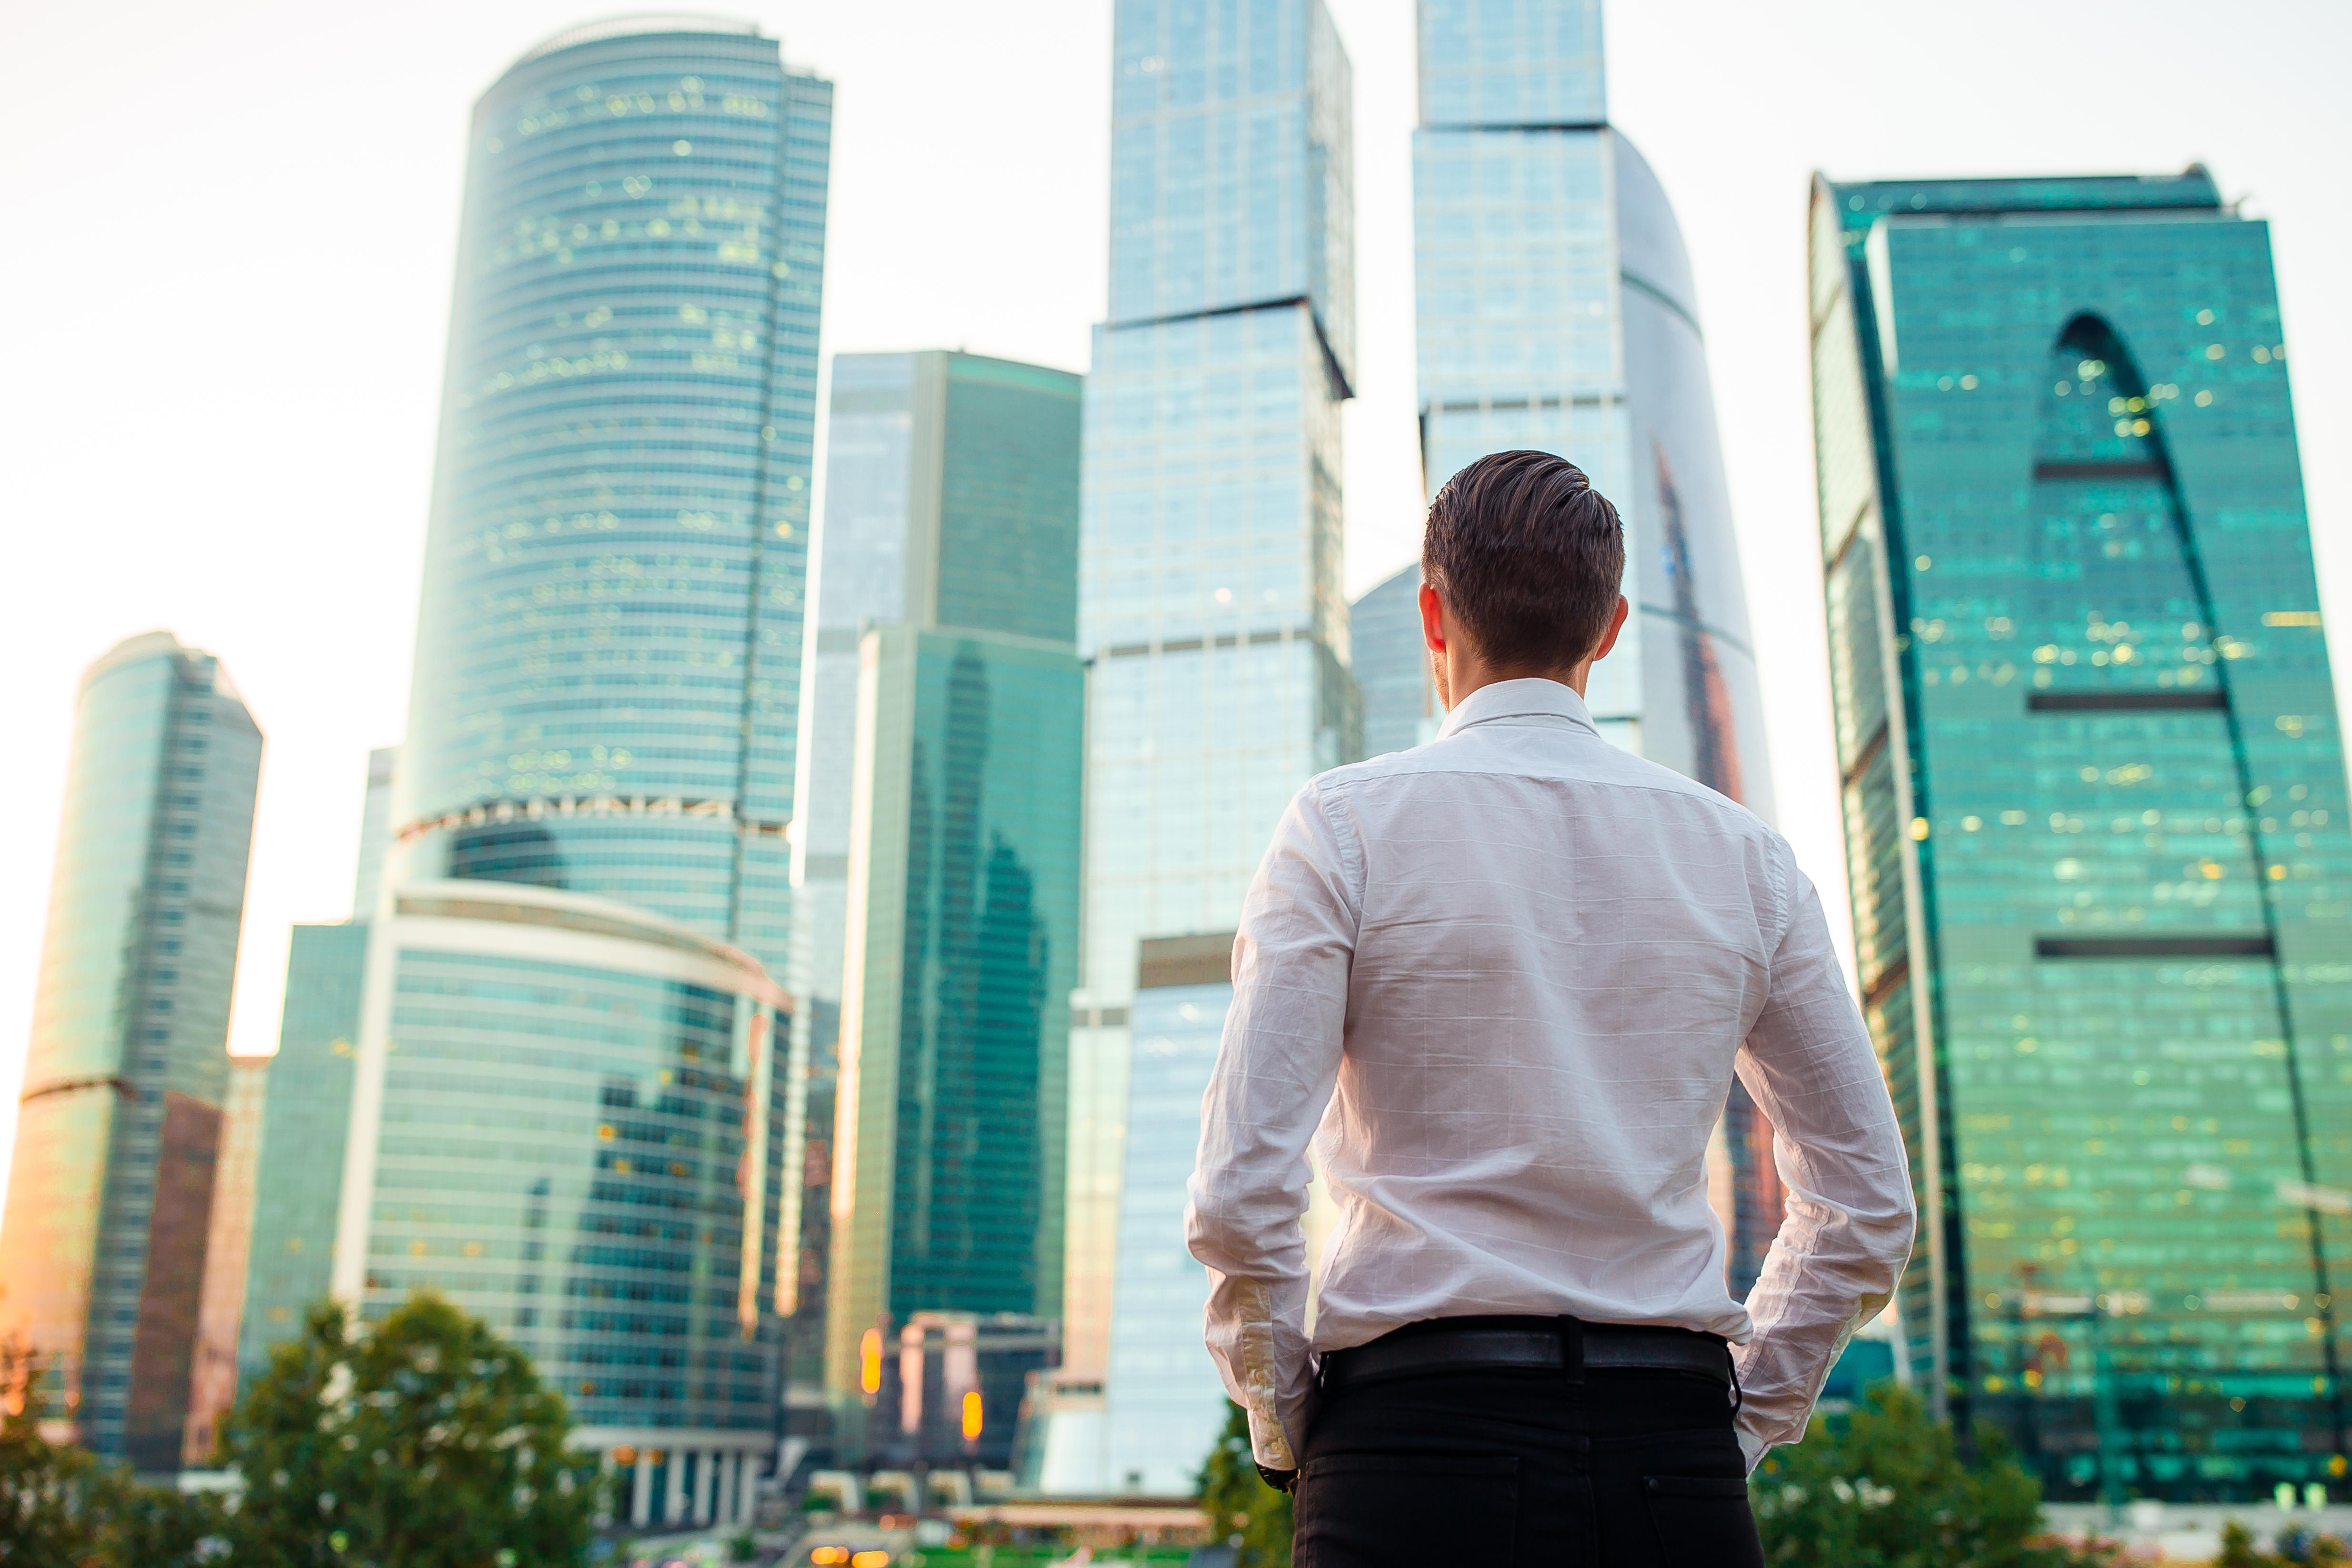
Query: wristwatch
[{"x": 1285, "y": 1481}]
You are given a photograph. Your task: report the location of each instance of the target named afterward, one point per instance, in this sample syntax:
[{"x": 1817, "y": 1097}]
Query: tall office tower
[
  {"x": 2095, "y": 817},
  {"x": 102, "y": 1245},
  {"x": 944, "y": 709},
  {"x": 1556, "y": 313},
  {"x": 306, "y": 1115},
  {"x": 1210, "y": 583},
  {"x": 1400, "y": 707},
  {"x": 608, "y": 651},
  {"x": 1163, "y": 1405},
  {"x": 580, "y": 1138},
  {"x": 375, "y": 831}
]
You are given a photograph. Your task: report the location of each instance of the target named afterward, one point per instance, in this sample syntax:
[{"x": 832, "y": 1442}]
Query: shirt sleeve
[
  {"x": 1276, "y": 1067},
  {"x": 1849, "y": 1211}
]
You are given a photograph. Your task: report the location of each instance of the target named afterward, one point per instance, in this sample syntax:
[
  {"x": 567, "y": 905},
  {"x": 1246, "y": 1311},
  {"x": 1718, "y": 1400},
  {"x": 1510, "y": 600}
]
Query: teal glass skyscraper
[
  {"x": 1556, "y": 313},
  {"x": 2095, "y": 817},
  {"x": 608, "y": 650},
  {"x": 938, "y": 854},
  {"x": 1210, "y": 582},
  {"x": 110, "y": 1191}
]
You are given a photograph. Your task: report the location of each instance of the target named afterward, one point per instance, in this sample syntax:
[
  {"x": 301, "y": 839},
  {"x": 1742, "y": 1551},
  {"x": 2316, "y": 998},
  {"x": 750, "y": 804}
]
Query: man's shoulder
[{"x": 1589, "y": 763}]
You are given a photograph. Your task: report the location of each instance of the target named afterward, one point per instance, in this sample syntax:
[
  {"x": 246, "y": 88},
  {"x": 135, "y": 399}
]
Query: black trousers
[{"x": 1512, "y": 1469}]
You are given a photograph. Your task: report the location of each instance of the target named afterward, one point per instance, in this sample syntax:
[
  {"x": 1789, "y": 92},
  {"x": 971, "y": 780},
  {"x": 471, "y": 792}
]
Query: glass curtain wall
[
  {"x": 1210, "y": 603},
  {"x": 2095, "y": 800},
  {"x": 583, "y": 1139},
  {"x": 608, "y": 651},
  {"x": 102, "y": 1246},
  {"x": 951, "y": 506}
]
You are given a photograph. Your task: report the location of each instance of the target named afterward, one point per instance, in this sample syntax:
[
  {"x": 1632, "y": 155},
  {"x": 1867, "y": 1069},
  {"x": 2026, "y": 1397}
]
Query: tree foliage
[
  {"x": 1891, "y": 1491},
  {"x": 1250, "y": 1516},
  {"x": 62, "y": 1507},
  {"x": 426, "y": 1442}
]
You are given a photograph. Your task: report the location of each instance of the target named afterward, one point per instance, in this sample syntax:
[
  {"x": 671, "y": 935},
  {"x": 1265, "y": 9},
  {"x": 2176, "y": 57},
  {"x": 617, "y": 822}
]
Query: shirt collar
[{"x": 1503, "y": 700}]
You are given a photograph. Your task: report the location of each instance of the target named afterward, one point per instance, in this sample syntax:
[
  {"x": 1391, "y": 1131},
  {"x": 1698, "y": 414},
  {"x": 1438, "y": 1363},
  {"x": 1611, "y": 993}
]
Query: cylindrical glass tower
[
  {"x": 608, "y": 652},
  {"x": 118, "y": 1132}
]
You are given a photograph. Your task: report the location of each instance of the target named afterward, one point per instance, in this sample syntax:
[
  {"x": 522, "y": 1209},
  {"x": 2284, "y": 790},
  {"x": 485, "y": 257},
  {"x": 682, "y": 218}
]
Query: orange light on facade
[
  {"x": 827, "y": 1556},
  {"x": 971, "y": 1417},
  {"x": 870, "y": 1559},
  {"x": 869, "y": 1360}
]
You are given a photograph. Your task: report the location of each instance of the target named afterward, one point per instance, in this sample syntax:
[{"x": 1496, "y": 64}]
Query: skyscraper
[
  {"x": 1163, "y": 1405},
  {"x": 608, "y": 650},
  {"x": 1400, "y": 707},
  {"x": 938, "y": 846},
  {"x": 375, "y": 831},
  {"x": 110, "y": 1195},
  {"x": 1210, "y": 583},
  {"x": 1555, "y": 312},
  {"x": 580, "y": 1139},
  {"x": 605, "y": 710},
  {"x": 306, "y": 1115},
  {"x": 2095, "y": 817}
]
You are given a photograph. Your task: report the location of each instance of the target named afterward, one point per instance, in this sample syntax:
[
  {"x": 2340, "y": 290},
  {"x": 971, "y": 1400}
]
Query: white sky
[{"x": 233, "y": 224}]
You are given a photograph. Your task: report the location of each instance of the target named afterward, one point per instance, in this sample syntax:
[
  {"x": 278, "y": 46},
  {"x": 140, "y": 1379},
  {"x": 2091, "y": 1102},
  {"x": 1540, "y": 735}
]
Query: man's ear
[
  {"x": 1616, "y": 625},
  {"x": 1433, "y": 619}
]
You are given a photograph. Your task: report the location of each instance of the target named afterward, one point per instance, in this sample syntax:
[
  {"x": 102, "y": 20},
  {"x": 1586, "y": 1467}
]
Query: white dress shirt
[{"x": 1503, "y": 980}]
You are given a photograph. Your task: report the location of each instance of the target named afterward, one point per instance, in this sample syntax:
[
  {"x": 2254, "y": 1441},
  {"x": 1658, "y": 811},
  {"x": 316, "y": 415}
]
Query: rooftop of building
[
  {"x": 637, "y": 24},
  {"x": 1863, "y": 202}
]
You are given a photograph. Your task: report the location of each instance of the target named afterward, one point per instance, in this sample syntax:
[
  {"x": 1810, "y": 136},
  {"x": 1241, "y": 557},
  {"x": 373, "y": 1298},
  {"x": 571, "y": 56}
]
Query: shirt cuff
[
  {"x": 1753, "y": 1446},
  {"x": 1270, "y": 1444}
]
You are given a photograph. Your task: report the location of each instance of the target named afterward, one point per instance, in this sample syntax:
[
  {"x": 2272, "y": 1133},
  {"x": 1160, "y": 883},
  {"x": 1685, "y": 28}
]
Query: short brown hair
[{"x": 1527, "y": 556}]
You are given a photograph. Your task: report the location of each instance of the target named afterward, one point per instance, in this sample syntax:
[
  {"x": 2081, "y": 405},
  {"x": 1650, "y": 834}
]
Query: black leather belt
[{"x": 1564, "y": 1345}]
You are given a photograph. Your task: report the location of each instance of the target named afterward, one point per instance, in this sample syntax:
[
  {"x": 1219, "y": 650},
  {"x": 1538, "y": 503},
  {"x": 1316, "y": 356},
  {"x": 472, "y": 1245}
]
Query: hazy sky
[{"x": 228, "y": 273}]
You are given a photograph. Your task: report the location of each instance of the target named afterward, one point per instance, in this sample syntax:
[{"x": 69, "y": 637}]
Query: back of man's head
[{"x": 1527, "y": 556}]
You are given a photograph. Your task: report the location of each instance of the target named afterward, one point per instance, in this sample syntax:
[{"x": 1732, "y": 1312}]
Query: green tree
[
  {"x": 1247, "y": 1514},
  {"x": 62, "y": 1507},
  {"x": 1891, "y": 1491},
  {"x": 426, "y": 1442}
]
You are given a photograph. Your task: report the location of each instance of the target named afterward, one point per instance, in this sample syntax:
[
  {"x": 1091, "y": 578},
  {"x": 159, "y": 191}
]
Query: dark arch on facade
[{"x": 2094, "y": 338}]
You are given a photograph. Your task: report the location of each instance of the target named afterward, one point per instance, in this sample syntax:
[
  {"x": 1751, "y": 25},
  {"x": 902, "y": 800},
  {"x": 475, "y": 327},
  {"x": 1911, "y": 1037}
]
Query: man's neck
[{"x": 1458, "y": 672}]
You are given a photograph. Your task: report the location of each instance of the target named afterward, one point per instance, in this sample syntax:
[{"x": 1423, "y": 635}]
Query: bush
[{"x": 1891, "y": 1491}]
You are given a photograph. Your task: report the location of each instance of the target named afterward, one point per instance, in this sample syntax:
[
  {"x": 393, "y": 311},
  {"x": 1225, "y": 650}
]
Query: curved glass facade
[
  {"x": 103, "y": 1247},
  {"x": 2096, "y": 817},
  {"x": 567, "y": 1119},
  {"x": 608, "y": 652}
]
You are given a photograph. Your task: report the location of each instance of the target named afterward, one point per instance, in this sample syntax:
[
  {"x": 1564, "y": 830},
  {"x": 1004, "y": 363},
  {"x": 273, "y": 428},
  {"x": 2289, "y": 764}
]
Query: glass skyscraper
[
  {"x": 1163, "y": 1405},
  {"x": 306, "y": 1115},
  {"x": 566, "y": 1118},
  {"x": 110, "y": 1193},
  {"x": 943, "y": 716},
  {"x": 1211, "y": 602},
  {"x": 1556, "y": 312},
  {"x": 608, "y": 651},
  {"x": 1400, "y": 707},
  {"x": 2095, "y": 817}
]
